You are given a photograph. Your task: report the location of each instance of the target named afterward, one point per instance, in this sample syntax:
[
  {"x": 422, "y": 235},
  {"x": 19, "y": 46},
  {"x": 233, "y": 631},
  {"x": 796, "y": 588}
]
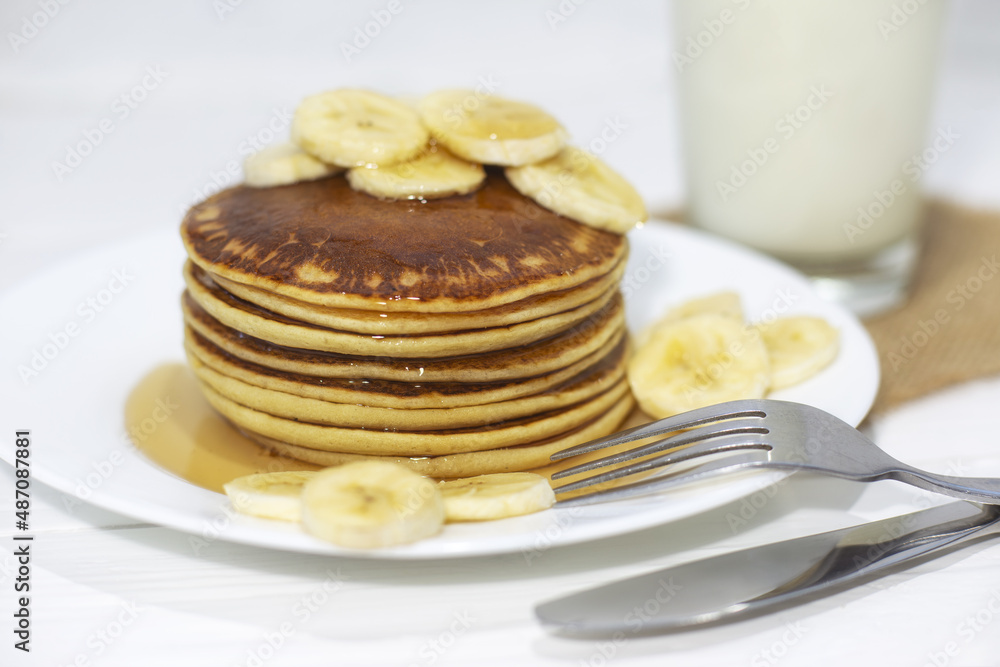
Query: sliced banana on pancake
[
  {"x": 581, "y": 186},
  {"x": 495, "y": 496},
  {"x": 282, "y": 164},
  {"x": 799, "y": 347},
  {"x": 271, "y": 495},
  {"x": 352, "y": 128},
  {"x": 697, "y": 361},
  {"x": 371, "y": 504},
  {"x": 491, "y": 129},
  {"x": 432, "y": 174}
]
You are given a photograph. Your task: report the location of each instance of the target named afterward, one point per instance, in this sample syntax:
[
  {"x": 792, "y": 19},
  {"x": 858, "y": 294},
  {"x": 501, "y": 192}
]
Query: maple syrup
[
  {"x": 191, "y": 440},
  {"x": 195, "y": 443}
]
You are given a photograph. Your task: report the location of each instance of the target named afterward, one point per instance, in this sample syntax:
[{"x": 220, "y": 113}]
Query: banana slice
[
  {"x": 370, "y": 504},
  {"x": 352, "y": 128},
  {"x": 697, "y": 361},
  {"x": 284, "y": 163},
  {"x": 495, "y": 496},
  {"x": 435, "y": 173},
  {"x": 581, "y": 186},
  {"x": 271, "y": 495},
  {"x": 490, "y": 129},
  {"x": 721, "y": 303},
  {"x": 799, "y": 347}
]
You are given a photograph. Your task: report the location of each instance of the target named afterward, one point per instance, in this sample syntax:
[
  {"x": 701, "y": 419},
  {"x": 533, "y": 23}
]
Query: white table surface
[{"x": 110, "y": 591}]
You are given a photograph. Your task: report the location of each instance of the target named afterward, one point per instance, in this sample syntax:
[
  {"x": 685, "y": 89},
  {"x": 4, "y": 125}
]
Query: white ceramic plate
[{"x": 96, "y": 325}]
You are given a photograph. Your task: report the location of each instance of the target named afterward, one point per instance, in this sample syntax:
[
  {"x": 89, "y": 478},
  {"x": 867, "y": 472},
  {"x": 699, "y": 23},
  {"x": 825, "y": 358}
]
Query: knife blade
[{"x": 763, "y": 578}]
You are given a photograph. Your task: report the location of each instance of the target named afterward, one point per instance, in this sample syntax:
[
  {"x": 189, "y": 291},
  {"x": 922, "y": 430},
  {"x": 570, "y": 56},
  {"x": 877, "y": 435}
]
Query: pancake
[
  {"x": 583, "y": 387},
  {"x": 416, "y": 443},
  {"x": 388, "y": 323},
  {"x": 508, "y": 459},
  {"x": 594, "y": 334},
  {"x": 322, "y": 243},
  {"x": 252, "y": 320},
  {"x": 392, "y": 394}
]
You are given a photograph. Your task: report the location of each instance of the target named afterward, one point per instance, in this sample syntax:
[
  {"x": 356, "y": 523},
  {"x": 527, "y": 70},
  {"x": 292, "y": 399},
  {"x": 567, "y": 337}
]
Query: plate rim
[{"x": 169, "y": 517}]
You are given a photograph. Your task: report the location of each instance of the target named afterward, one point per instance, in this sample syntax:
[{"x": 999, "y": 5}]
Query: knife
[{"x": 751, "y": 581}]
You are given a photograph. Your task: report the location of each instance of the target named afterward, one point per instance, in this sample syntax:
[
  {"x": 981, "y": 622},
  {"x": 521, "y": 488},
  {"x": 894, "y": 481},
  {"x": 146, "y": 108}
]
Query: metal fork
[{"x": 754, "y": 434}]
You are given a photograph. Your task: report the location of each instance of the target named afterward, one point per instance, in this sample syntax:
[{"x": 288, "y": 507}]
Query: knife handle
[
  {"x": 871, "y": 547},
  {"x": 769, "y": 576}
]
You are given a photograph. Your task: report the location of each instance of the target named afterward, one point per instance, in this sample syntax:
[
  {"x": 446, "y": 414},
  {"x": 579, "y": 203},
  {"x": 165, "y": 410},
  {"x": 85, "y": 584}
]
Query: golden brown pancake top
[{"x": 324, "y": 243}]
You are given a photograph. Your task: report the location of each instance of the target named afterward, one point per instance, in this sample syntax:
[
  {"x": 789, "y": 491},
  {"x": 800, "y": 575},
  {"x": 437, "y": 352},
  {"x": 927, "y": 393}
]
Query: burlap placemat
[{"x": 948, "y": 331}]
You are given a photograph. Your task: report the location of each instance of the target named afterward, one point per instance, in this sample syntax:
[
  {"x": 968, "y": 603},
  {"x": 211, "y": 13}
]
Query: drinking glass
[{"x": 805, "y": 133}]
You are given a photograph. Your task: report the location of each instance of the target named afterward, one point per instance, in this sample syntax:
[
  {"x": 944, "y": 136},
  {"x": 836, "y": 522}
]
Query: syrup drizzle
[{"x": 172, "y": 424}]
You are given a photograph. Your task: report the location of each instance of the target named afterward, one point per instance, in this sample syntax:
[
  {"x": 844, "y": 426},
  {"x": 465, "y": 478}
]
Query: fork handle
[{"x": 977, "y": 489}]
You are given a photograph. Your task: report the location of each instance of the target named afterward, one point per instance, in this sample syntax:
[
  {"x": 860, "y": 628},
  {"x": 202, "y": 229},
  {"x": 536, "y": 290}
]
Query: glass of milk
[{"x": 804, "y": 126}]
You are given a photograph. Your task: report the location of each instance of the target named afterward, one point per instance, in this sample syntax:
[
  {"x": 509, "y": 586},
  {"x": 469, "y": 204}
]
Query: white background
[{"x": 226, "y": 74}]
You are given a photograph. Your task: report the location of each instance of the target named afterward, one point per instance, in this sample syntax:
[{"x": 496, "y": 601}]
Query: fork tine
[
  {"x": 727, "y": 465},
  {"x": 718, "y": 446},
  {"x": 704, "y": 433},
  {"x": 712, "y": 413}
]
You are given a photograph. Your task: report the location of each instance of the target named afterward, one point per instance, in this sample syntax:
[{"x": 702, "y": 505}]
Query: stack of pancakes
[{"x": 458, "y": 336}]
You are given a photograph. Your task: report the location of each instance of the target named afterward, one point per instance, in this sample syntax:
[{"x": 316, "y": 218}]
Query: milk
[{"x": 804, "y": 121}]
